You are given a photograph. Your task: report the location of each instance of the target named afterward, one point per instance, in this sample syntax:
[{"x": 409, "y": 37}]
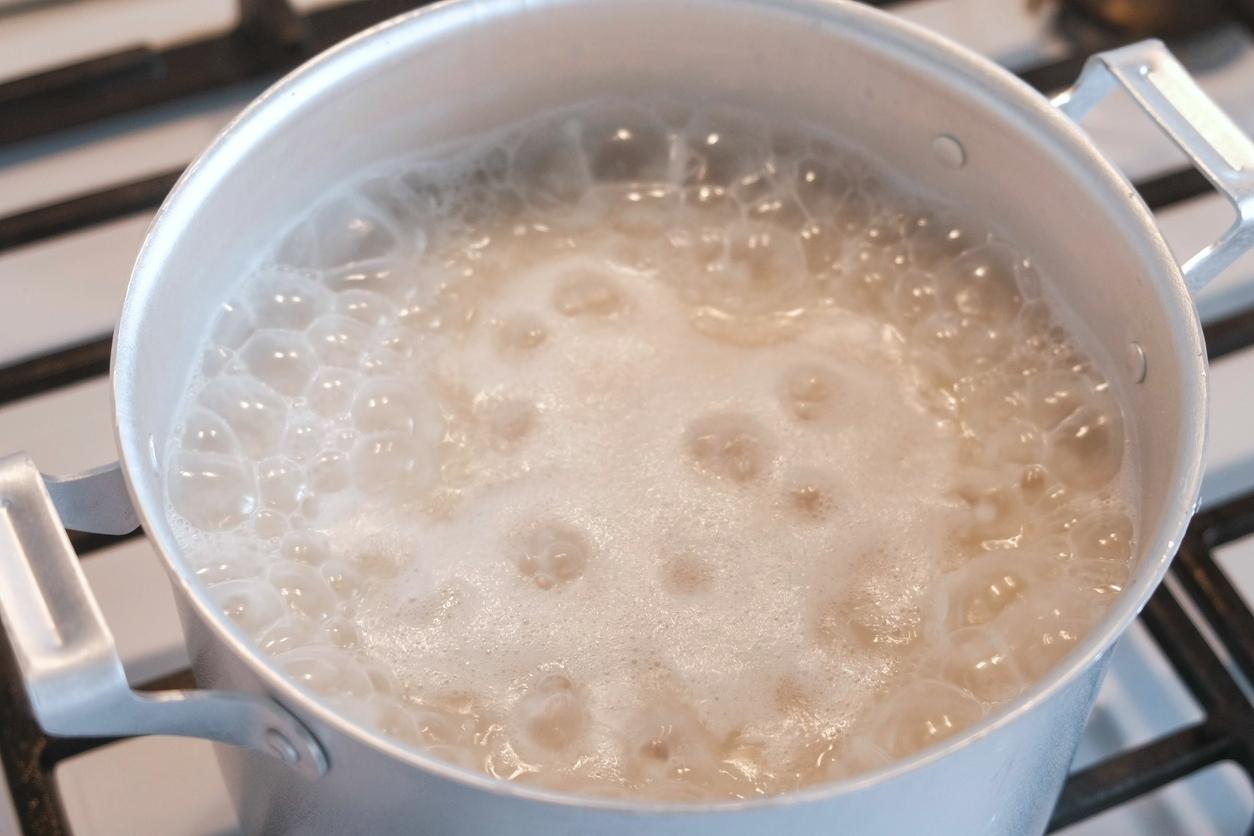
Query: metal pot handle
[
  {"x": 1213, "y": 143},
  {"x": 65, "y": 653}
]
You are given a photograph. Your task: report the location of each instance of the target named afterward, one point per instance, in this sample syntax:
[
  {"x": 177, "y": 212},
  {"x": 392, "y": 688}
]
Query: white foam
[{"x": 642, "y": 450}]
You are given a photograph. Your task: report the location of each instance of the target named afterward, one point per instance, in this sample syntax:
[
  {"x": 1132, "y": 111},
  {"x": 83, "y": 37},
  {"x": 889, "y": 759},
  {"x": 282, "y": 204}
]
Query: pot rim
[{"x": 449, "y": 17}]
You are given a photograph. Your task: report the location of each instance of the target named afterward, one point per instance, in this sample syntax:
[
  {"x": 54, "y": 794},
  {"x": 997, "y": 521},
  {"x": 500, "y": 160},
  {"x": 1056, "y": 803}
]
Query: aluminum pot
[{"x": 941, "y": 116}]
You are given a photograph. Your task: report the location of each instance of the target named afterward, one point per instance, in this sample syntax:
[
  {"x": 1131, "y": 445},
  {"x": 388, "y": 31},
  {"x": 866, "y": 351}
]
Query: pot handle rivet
[
  {"x": 1138, "y": 366},
  {"x": 281, "y": 747},
  {"x": 948, "y": 151}
]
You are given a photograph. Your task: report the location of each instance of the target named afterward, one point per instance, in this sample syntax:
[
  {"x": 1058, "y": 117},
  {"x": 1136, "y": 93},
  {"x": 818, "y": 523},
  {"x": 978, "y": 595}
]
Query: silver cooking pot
[{"x": 942, "y": 117}]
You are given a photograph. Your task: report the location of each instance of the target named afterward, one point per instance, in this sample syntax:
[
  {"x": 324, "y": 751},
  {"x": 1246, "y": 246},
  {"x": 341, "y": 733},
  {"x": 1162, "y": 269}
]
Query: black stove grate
[
  {"x": 1226, "y": 732},
  {"x": 1209, "y": 648}
]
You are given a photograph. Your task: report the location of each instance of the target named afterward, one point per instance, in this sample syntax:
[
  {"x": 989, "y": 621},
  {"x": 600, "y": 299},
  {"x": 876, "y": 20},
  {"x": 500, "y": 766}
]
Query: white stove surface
[{"x": 70, "y": 289}]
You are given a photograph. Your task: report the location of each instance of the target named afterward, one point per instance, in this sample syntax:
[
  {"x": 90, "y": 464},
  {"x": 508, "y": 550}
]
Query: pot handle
[
  {"x": 66, "y": 655},
  {"x": 1213, "y": 143}
]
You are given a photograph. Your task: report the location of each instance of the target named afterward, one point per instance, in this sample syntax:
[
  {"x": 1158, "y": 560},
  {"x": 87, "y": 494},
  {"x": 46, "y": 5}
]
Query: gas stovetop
[{"x": 101, "y": 105}]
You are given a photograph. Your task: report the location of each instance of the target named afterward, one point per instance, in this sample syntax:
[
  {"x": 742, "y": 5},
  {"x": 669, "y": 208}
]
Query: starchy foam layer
[{"x": 652, "y": 451}]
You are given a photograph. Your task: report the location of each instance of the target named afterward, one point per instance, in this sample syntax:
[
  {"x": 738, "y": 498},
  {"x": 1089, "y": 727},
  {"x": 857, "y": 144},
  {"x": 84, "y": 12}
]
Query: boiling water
[{"x": 649, "y": 451}]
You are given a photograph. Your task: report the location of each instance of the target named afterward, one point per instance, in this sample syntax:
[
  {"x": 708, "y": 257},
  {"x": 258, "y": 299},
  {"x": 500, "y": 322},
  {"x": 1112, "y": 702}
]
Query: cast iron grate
[
  {"x": 271, "y": 38},
  {"x": 1226, "y": 732}
]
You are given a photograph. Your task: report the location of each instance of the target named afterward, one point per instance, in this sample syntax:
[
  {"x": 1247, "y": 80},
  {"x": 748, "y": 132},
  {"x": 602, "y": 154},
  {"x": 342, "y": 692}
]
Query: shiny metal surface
[
  {"x": 67, "y": 658},
  {"x": 1216, "y": 146},
  {"x": 491, "y": 63},
  {"x": 95, "y": 500}
]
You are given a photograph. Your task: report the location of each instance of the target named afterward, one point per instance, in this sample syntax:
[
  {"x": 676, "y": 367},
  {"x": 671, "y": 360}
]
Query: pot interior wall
[{"x": 471, "y": 66}]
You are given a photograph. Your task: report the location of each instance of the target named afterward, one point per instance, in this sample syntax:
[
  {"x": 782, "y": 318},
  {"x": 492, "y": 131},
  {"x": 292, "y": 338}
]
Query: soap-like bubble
[
  {"x": 280, "y": 484},
  {"x": 329, "y": 472},
  {"x": 332, "y": 390},
  {"x": 1103, "y": 535},
  {"x": 855, "y": 212},
  {"x": 1086, "y": 449},
  {"x": 281, "y": 360},
  {"x": 351, "y": 231},
  {"x": 365, "y": 306},
  {"x": 824, "y": 248},
  {"x": 324, "y": 671},
  {"x": 383, "y": 406},
  {"x": 822, "y": 186},
  {"x": 306, "y": 546},
  {"x": 764, "y": 269},
  {"x": 1016, "y": 441},
  {"x": 641, "y": 215},
  {"x": 667, "y": 741},
  {"x": 550, "y": 716},
  {"x": 922, "y": 713},
  {"x": 916, "y": 297},
  {"x": 250, "y": 602},
  {"x": 1052, "y": 396},
  {"x": 810, "y": 392},
  {"x": 342, "y": 633},
  {"x": 382, "y": 278},
  {"x": 304, "y": 589},
  {"x": 720, "y": 147},
  {"x": 971, "y": 341},
  {"x": 981, "y": 284},
  {"x": 338, "y": 340},
  {"x": 303, "y": 438},
  {"x": 980, "y": 662},
  {"x": 341, "y": 576},
  {"x": 284, "y": 298},
  {"x": 254, "y": 412},
  {"x": 626, "y": 144},
  {"x": 997, "y": 518},
  {"x": 288, "y": 633},
  {"x": 1098, "y": 582},
  {"x": 269, "y": 524},
  {"x": 1044, "y": 630},
  {"x": 981, "y": 590},
  {"x": 212, "y": 491},
  {"x": 550, "y": 168},
  {"x": 551, "y": 553},
  {"x": 390, "y": 351},
  {"x": 728, "y": 446},
  {"x": 204, "y": 432},
  {"x": 934, "y": 240}
]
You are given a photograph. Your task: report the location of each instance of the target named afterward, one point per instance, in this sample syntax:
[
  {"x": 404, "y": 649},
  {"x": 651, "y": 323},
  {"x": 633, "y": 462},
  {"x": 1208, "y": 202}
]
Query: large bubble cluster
[{"x": 652, "y": 451}]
